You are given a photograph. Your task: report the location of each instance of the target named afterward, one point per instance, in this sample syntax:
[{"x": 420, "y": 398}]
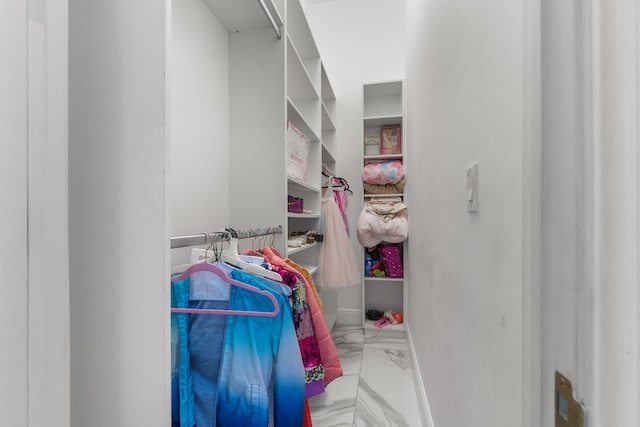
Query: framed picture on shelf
[{"x": 390, "y": 140}]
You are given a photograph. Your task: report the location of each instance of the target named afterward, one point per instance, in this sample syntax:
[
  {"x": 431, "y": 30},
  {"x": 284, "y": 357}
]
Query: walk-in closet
[
  {"x": 253, "y": 172},
  {"x": 319, "y": 213}
]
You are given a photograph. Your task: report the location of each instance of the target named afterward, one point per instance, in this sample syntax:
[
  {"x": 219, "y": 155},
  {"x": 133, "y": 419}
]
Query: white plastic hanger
[{"x": 231, "y": 256}]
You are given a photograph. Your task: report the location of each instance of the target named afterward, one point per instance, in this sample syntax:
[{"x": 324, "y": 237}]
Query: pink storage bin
[
  {"x": 295, "y": 204},
  {"x": 390, "y": 255}
]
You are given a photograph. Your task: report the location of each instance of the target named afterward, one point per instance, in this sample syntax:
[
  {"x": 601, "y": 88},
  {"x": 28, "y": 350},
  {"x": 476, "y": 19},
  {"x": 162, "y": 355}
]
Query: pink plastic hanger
[{"x": 212, "y": 268}]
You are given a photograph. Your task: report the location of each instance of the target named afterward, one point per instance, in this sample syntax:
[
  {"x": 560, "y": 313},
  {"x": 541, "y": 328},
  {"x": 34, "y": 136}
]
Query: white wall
[
  {"x": 567, "y": 203},
  {"x": 466, "y": 92},
  {"x": 617, "y": 214},
  {"x": 590, "y": 159},
  {"x": 118, "y": 238},
  {"x": 13, "y": 215},
  {"x": 198, "y": 181},
  {"x": 49, "y": 383},
  {"x": 33, "y": 220},
  {"x": 360, "y": 41}
]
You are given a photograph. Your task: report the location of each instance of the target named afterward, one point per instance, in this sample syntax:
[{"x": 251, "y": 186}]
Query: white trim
[
  {"x": 330, "y": 320},
  {"x": 349, "y": 317},
  {"x": 531, "y": 385},
  {"x": 421, "y": 393}
]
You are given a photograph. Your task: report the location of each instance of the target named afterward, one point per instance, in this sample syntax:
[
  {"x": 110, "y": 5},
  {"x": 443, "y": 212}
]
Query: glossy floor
[{"x": 377, "y": 387}]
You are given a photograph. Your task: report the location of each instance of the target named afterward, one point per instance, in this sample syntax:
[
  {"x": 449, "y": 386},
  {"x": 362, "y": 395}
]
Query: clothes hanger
[
  {"x": 343, "y": 186},
  {"x": 207, "y": 238},
  {"x": 231, "y": 256},
  {"x": 212, "y": 268}
]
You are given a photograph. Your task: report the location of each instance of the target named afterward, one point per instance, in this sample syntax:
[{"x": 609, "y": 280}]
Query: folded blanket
[
  {"x": 383, "y": 173},
  {"x": 384, "y": 189}
]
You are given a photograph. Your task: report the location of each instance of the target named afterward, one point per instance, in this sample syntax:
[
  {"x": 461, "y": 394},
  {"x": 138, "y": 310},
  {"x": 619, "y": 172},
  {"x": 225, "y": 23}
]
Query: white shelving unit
[
  {"x": 383, "y": 106},
  {"x": 275, "y": 81}
]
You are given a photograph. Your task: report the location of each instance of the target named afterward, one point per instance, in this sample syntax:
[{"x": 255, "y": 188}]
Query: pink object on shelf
[
  {"x": 390, "y": 255},
  {"x": 295, "y": 204}
]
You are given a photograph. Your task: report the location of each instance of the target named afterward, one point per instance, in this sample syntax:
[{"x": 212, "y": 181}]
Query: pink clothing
[
  {"x": 341, "y": 199},
  {"x": 337, "y": 267},
  {"x": 328, "y": 352}
]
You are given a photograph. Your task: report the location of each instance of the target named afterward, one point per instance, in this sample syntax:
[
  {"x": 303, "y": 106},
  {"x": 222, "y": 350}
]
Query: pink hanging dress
[{"x": 337, "y": 266}]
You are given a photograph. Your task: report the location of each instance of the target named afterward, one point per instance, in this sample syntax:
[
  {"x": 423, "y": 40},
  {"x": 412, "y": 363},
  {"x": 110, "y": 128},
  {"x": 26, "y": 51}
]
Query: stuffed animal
[{"x": 378, "y": 269}]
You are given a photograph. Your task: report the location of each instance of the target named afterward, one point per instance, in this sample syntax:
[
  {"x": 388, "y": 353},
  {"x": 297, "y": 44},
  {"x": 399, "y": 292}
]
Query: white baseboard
[
  {"x": 421, "y": 393},
  {"x": 330, "y": 320},
  {"x": 349, "y": 317}
]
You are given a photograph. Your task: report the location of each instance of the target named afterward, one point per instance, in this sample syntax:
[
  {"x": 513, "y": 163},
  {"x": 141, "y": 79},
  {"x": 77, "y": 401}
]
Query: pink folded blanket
[{"x": 383, "y": 173}]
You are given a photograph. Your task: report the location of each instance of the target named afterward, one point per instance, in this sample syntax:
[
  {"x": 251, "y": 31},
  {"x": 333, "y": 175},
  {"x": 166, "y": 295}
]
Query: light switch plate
[
  {"x": 473, "y": 203},
  {"x": 569, "y": 412}
]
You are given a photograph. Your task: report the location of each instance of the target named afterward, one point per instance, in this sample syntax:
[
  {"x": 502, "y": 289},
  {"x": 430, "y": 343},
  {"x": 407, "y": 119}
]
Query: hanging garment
[
  {"x": 307, "y": 415},
  {"x": 255, "y": 377},
  {"x": 341, "y": 197},
  {"x": 328, "y": 351},
  {"x": 305, "y": 330},
  {"x": 337, "y": 266},
  {"x": 331, "y": 360}
]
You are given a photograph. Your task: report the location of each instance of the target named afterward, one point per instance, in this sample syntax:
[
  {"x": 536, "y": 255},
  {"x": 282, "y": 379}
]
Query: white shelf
[
  {"x": 327, "y": 156},
  {"x": 384, "y": 279},
  {"x": 383, "y": 89},
  {"x": 384, "y": 157},
  {"x": 302, "y": 215},
  {"x": 299, "y": 81},
  {"x": 292, "y": 251},
  {"x": 383, "y": 107},
  {"x": 328, "y": 96},
  {"x": 299, "y": 31},
  {"x": 383, "y": 100},
  {"x": 310, "y": 268},
  {"x": 302, "y": 185},
  {"x": 371, "y": 196},
  {"x": 327, "y": 121},
  {"x": 327, "y": 90},
  {"x": 381, "y": 121},
  {"x": 298, "y": 113},
  {"x": 239, "y": 15}
]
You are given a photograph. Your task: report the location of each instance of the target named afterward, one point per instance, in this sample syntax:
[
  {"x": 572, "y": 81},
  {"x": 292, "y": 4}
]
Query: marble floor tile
[
  {"x": 386, "y": 394},
  {"x": 374, "y": 410},
  {"x": 351, "y": 361},
  {"x": 377, "y": 388},
  {"x": 336, "y": 406},
  {"x": 349, "y": 343},
  {"x": 347, "y": 334},
  {"x": 382, "y": 341}
]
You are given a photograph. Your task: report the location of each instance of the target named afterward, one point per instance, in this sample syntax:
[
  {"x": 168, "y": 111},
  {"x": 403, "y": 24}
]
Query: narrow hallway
[{"x": 377, "y": 387}]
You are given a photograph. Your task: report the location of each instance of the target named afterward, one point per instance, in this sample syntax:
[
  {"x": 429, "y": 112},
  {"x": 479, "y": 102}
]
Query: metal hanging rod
[
  {"x": 206, "y": 238},
  {"x": 276, "y": 21}
]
